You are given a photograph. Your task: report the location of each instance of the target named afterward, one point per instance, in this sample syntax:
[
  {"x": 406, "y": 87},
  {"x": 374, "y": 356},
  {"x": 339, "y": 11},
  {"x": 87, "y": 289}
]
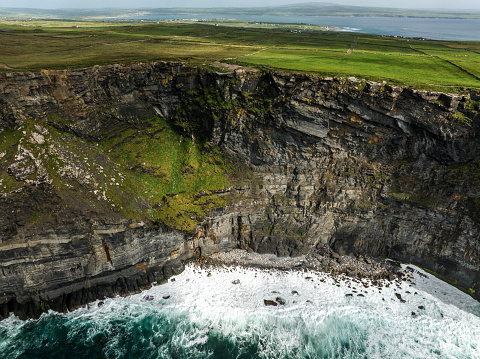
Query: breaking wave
[{"x": 222, "y": 313}]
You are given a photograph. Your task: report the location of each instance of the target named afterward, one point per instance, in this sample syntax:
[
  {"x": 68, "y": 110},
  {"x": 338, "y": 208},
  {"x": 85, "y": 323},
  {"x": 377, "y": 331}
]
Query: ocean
[
  {"x": 221, "y": 313},
  {"x": 429, "y": 28}
]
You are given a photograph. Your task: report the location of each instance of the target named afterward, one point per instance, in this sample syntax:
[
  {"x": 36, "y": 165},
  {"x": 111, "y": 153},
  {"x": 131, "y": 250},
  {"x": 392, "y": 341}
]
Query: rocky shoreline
[
  {"x": 359, "y": 272},
  {"x": 323, "y": 260}
]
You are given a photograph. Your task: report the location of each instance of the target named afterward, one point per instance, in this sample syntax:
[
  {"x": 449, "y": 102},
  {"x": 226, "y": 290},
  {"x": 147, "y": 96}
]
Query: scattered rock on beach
[
  {"x": 269, "y": 303},
  {"x": 280, "y": 300},
  {"x": 319, "y": 259}
]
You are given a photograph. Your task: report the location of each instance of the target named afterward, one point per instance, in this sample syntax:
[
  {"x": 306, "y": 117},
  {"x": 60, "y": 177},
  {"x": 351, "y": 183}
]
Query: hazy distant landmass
[{"x": 305, "y": 9}]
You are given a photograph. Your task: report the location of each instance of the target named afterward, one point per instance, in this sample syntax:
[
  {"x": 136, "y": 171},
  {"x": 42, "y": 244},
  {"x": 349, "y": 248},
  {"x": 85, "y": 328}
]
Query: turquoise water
[{"x": 202, "y": 314}]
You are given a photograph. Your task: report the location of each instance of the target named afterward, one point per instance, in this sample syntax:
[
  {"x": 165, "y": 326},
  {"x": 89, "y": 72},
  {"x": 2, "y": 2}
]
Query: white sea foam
[
  {"x": 347, "y": 29},
  {"x": 203, "y": 307},
  {"x": 435, "y": 321}
]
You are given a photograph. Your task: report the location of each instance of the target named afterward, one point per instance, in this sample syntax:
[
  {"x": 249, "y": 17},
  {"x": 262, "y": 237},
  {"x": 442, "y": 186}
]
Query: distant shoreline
[{"x": 307, "y": 9}]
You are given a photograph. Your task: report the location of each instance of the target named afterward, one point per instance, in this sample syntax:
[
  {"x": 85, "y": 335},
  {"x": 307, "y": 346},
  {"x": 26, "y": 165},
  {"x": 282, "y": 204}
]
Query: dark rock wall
[
  {"x": 373, "y": 169},
  {"x": 363, "y": 167}
]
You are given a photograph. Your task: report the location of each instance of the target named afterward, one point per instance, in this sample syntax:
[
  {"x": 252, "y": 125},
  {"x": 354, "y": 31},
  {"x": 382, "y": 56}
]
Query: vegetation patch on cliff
[
  {"x": 152, "y": 174},
  {"x": 175, "y": 174}
]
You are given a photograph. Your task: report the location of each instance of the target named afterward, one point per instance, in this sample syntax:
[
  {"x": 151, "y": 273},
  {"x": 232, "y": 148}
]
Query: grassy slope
[
  {"x": 150, "y": 174},
  {"x": 420, "y": 64},
  {"x": 169, "y": 170}
]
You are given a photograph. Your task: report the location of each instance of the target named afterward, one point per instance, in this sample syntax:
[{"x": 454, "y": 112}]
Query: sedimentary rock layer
[{"x": 361, "y": 167}]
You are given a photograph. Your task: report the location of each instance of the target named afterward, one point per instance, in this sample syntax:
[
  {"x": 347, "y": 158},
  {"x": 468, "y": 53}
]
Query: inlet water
[
  {"x": 430, "y": 28},
  {"x": 221, "y": 313}
]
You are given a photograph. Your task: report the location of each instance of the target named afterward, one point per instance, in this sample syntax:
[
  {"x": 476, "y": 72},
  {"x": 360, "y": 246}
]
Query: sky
[{"x": 125, "y": 4}]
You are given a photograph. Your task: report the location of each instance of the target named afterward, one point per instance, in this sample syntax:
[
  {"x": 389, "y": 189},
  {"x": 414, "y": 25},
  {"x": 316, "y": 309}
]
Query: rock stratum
[{"x": 112, "y": 176}]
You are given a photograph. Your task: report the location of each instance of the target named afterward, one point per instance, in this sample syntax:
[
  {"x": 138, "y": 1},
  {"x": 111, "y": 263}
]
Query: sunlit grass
[{"x": 410, "y": 62}]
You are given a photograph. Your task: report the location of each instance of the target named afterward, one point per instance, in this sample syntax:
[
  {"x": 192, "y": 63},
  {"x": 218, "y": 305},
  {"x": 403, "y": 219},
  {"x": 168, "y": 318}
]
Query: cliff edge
[{"x": 112, "y": 176}]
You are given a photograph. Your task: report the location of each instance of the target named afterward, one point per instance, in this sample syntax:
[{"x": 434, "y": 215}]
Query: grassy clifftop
[{"x": 438, "y": 65}]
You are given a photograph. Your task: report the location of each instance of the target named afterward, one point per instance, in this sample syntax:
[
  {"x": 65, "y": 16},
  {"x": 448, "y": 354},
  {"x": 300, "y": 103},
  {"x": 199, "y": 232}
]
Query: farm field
[{"x": 437, "y": 65}]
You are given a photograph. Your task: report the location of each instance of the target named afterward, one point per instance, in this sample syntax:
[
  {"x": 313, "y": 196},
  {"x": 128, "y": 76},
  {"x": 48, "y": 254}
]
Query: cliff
[{"x": 112, "y": 176}]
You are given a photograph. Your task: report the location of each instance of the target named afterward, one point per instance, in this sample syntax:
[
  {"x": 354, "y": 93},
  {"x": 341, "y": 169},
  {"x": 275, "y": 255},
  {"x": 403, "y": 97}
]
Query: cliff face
[{"x": 112, "y": 176}]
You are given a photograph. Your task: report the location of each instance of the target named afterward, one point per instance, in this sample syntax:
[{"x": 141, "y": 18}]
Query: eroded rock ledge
[{"x": 360, "y": 167}]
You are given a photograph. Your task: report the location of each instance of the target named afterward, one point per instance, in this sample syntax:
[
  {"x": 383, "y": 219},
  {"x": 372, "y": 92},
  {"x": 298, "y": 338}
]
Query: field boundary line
[
  {"x": 352, "y": 48},
  {"x": 448, "y": 62}
]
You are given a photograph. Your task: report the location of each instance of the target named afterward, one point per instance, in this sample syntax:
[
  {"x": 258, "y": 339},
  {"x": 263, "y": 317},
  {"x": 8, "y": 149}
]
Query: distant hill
[
  {"x": 304, "y": 9},
  {"x": 312, "y": 3},
  {"x": 331, "y": 9}
]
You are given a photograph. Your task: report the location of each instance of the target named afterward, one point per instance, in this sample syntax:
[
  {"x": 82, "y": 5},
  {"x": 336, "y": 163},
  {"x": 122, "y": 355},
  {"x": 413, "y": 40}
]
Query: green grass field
[{"x": 437, "y": 65}]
